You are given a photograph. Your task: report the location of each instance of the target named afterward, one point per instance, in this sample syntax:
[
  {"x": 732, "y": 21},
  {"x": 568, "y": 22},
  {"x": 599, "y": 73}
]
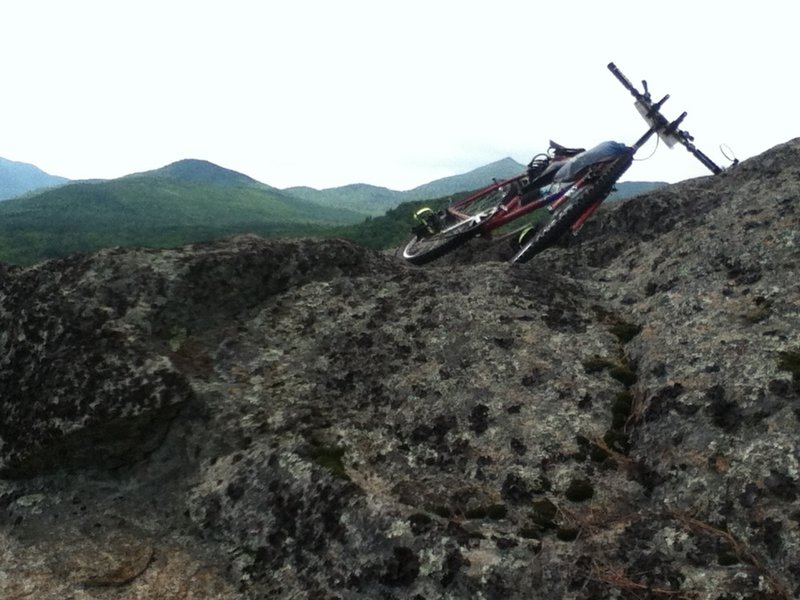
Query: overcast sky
[{"x": 331, "y": 92}]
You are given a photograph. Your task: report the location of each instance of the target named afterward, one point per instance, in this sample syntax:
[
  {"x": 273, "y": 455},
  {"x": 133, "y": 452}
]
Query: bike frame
[{"x": 516, "y": 206}]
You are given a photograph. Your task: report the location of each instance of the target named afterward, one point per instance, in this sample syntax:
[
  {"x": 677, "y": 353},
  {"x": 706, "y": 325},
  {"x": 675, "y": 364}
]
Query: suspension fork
[
  {"x": 565, "y": 196},
  {"x": 578, "y": 224},
  {"x": 576, "y": 187}
]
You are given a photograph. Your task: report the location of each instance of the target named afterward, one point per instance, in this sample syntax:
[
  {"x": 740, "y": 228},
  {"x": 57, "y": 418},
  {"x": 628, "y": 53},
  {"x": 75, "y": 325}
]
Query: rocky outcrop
[{"x": 309, "y": 419}]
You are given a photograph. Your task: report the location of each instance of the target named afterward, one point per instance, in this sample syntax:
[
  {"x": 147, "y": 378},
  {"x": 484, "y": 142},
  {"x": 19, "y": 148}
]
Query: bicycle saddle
[{"x": 563, "y": 151}]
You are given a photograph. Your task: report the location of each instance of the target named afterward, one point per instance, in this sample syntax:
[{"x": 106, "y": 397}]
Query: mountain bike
[{"x": 565, "y": 185}]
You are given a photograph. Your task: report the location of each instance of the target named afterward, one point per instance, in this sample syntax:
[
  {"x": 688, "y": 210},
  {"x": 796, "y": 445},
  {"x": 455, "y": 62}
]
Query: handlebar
[
  {"x": 659, "y": 124},
  {"x": 628, "y": 85}
]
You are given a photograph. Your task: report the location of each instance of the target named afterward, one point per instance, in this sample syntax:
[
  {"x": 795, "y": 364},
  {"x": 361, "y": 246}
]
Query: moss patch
[
  {"x": 617, "y": 440},
  {"x": 789, "y": 360},
  {"x": 330, "y": 457},
  {"x": 621, "y": 410},
  {"x": 597, "y": 364},
  {"x": 624, "y": 374},
  {"x": 625, "y": 331}
]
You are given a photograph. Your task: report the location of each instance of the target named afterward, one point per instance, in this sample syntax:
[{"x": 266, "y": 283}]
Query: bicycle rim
[
  {"x": 423, "y": 249},
  {"x": 463, "y": 220}
]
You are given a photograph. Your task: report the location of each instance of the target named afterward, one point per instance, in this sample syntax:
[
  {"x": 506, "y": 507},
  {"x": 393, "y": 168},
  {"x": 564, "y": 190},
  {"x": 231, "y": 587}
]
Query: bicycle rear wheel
[
  {"x": 561, "y": 221},
  {"x": 459, "y": 223}
]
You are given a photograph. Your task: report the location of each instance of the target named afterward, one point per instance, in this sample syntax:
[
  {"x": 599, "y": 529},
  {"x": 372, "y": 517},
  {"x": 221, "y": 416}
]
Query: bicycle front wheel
[
  {"x": 459, "y": 223},
  {"x": 563, "y": 219}
]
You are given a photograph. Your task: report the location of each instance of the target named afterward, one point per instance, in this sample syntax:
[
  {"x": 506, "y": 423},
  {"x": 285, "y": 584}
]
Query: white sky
[{"x": 331, "y": 92}]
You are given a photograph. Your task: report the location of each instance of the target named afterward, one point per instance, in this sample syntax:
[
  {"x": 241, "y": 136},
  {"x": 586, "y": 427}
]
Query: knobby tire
[{"x": 564, "y": 218}]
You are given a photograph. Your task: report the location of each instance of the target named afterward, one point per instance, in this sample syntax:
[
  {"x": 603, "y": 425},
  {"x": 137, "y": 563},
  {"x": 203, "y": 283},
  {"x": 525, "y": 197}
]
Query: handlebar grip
[
  {"x": 707, "y": 162},
  {"x": 624, "y": 81}
]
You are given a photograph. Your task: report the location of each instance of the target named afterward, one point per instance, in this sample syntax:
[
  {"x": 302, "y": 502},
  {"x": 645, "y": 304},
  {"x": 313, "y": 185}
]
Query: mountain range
[
  {"x": 193, "y": 200},
  {"x": 17, "y": 178},
  {"x": 375, "y": 200}
]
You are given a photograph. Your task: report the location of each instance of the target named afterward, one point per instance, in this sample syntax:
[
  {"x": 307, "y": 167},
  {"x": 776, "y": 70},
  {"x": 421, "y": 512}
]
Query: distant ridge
[
  {"x": 374, "y": 200},
  {"x": 184, "y": 202},
  {"x": 471, "y": 180},
  {"x": 200, "y": 171},
  {"x": 370, "y": 200},
  {"x": 194, "y": 200},
  {"x": 18, "y": 178}
]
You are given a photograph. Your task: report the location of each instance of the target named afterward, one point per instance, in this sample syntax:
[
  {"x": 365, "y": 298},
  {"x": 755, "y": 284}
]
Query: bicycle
[{"x": 567, "y": 184}]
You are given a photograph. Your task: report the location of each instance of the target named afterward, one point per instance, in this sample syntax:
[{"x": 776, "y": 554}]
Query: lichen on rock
[{"x": 310, "y": 419}]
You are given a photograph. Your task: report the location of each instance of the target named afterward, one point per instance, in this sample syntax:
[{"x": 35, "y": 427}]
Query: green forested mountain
[
  {"x": 373, "y": 200},
  {"x": 17, "y": 178},
  {"x": 200, "y": 171},
  {"x": 390, "y": 229},
  {"x": 370, "y": 200},
  {"x": 193, "y": 200},
  {"x": 184, "y": 202},
  {"x": 472, "y": 180}
]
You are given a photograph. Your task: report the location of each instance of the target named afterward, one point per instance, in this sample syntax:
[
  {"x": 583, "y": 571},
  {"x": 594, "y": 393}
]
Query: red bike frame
[{"x": 518, "y": 205}]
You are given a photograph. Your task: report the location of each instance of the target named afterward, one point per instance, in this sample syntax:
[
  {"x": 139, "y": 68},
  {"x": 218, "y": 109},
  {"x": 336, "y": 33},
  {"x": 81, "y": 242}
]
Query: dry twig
[{"x": 740, "y": 550}]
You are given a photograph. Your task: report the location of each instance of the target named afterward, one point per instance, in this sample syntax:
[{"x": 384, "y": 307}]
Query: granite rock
[{"x": 309, "y": 419}]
